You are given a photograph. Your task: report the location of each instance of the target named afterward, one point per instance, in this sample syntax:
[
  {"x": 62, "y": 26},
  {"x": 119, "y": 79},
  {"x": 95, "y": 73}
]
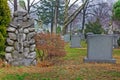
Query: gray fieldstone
[
  {"x": 10, "y": 42},
  {"x": 32, "y": 29},
  {"x": 26, "y": 44},
  {"x": 15, "y": 63},
  {"x": 27, "y": 62},
  {"x": 25, "y": 54},
  {"x": 12, "y": 36},
  {"x": 30, "y": 35},
  {"x": 16, "y": 46},
  {"x": 9, "y": 49},
  {"x": 15, "y": 54},
  {"x": 8, "y": 56},
  {"x": 34, "y": 62},
  {"x": 32, "y": 55},
  {"x": 32, "y": 48},
  {"x": 16, "y": 31},
  {"x": 25, "y": 19},
  {"x": 26, "y": 50},
  {"x": 11, "y": 29},
  {"x": 26, "y": 31},
  {"x": 32, "y": 41},
  {"x": 24, "y": 37},
  {"x": 12, "y": 25}
]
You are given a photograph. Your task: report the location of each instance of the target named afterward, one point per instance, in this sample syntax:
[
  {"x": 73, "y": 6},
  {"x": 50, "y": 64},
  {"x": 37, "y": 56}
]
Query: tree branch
[
  {"x": 73, "y": 16},
  {"x": 11, "y": 2},
  {"x": 32, "y": 2},
  {"x": 72, "y": 4},
  {"x": 35, "y": 3}
]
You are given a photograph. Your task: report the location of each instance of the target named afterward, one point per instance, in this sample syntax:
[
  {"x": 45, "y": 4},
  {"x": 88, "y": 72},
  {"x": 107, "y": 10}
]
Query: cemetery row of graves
[
  {"x": 100, "y": 47},
  {"x": 23, "y": 42}
]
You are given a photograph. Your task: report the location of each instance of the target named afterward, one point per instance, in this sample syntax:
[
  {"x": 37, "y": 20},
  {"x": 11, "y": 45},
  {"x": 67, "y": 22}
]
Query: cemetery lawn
[{"x": 70, "y": 67}]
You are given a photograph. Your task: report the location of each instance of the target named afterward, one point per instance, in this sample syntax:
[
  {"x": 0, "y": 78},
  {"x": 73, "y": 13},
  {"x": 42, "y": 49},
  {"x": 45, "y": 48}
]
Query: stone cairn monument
[{"x": 21, "y": 44}]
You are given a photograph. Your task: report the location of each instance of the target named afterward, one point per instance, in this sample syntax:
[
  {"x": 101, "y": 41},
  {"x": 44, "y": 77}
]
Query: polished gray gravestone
[
  {"x": 67, "y": 37},
  {"x": 75, "y": 41},
  {"x": 99, "y": 48}
]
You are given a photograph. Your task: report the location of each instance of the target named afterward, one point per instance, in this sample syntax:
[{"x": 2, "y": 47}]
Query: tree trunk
[
  {"x": 28, "y": 5},
  {"x": 65, "y": 16},
  {"x": 73, "y": 16},
  {"x": 83, "y": 20},
  {"x": 15, "y": 5},
  {"x": 52, "y": 20},
  {"x": 84, "y": 14},
  {"x": 55, "y": 16},
  {"x": 52, "y": 24}
]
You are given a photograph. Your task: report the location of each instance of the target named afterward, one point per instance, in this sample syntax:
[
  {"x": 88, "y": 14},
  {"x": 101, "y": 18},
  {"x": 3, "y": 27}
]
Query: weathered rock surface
[
  {"x": 10, "y": 42},
  {"x": 9, "y": 49},
  {"x": 21, "y": 44},
  {"x": 12, "y": 36},
  {"x": 11, "y": 29}
]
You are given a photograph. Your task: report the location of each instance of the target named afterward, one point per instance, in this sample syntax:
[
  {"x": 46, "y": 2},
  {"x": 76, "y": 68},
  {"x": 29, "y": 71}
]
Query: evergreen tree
[
  {"x": 116, "y": 11},
  {"x": 94, "y": 27},
  {"x": 4, "y": 21},
  {"x": 45, "y": 11}
]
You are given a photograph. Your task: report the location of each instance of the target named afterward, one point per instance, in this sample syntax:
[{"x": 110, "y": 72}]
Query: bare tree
[
  {"x": 55, "y": 16},
  {"x": 15, "y": 5},
  {"x": 70, "y": 18},
  {"x": 101, "y": 11},
  {"x": 84, "y": 14},
  {"x": 23, "y": 4}
]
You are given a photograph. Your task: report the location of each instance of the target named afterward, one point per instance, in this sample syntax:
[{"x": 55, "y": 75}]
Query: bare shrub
[{"x": 49, "y": 45}]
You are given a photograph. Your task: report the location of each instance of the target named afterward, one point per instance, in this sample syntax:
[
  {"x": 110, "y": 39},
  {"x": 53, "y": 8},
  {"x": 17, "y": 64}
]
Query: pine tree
[
  {"x": 4, "y": 21},
  {"x": 46, "y": 12},
  {"x": 116, "y": 11},
  {"x": 94, "y": 27}
]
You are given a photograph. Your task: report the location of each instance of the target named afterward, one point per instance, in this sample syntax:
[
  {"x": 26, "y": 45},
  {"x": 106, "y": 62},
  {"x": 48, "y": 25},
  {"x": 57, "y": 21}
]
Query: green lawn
[{"x": 70, "y": 67}]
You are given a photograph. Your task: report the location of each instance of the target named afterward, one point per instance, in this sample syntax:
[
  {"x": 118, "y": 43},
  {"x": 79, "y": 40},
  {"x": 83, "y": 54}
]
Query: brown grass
[{"x": 68, "y": 69}]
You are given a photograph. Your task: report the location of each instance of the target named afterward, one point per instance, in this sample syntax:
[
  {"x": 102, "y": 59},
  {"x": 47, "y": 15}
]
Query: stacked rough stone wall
[{"x": 20, "y": 41}]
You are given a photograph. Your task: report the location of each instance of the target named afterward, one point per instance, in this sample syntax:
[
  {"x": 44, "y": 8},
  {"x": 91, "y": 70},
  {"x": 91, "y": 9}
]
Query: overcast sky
[{"x": 71, "y": 1}]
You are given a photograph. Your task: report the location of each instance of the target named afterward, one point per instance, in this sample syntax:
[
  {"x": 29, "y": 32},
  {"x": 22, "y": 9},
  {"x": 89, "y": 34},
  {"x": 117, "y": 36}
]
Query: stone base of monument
[
  {"x": 99, "y": 48},
  {"x": 25, "y": 62},
  {"x": 99, "y": 60}
]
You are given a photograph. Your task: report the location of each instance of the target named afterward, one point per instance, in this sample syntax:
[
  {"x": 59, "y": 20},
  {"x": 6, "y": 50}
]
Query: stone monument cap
[{"x": 20, "y": 12}]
